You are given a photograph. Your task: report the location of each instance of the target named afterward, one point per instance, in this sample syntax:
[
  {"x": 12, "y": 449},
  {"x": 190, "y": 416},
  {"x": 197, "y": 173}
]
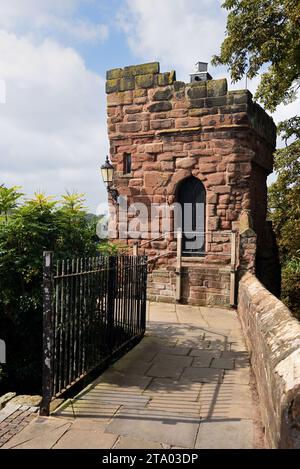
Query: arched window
[{"x": 191, "y": 197}]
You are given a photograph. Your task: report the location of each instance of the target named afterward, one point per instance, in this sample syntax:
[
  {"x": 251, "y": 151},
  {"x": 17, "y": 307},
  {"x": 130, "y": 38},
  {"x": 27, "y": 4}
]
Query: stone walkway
[{"x": 187, "y": 384}]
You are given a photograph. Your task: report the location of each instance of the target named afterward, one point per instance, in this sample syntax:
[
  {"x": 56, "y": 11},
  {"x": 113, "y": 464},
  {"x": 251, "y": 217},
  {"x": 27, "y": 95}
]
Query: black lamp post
[{"x": 107, "y": 171}]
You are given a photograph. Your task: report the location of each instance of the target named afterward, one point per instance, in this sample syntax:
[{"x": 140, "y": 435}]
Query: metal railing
[{"x": 93, "y": 307}]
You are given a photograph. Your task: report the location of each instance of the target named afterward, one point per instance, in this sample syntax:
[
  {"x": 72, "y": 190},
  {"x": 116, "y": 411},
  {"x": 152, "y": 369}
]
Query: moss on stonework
[
  {"x": 197, "y": 90},
  {"x": 216, "y": 88},
  {"x": 140, "y": 93},
  {"x": 144, "y": 81},
  {"x": 168, "y": 78},
  {"x": 162, "y": 95},
  {"x": 161, "y": 106},
  {"x": 114, "y": 73},
  {"x": 112, "y": 86},
  {"x": 127, "y": 84},
  {"x": 143, "y": 69},
  {"x": 179, "y": 85}
]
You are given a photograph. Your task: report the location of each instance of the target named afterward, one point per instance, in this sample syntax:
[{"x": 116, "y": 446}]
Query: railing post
[
  {"x": 111, "y": 295},
  {"x": 178, "y": 264},
  {"x": 232, "y": 268},
  {"x": 135, "y": 249},
  {"x": 48, "y": 339},
  {"x": 143, "y": 262}
]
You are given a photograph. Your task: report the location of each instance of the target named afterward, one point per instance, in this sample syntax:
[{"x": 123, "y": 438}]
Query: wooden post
[
  {"x": 135, "y": 248},
  {"x": 178, "y": 264},
  {"x": 47, "y": 333},
  {"x": 232, "y": 268}
]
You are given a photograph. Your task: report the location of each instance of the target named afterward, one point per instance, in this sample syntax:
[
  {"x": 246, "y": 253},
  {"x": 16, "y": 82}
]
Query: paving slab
[
  {"x": 165, "y": 371},
  {"x": 163, "y": 427},
  {"x": 223, "y": 363},
  {"x": 218, "y": 400},
  {"x": 134, "y": 443},
  {"x": 202, "y": 375},
  {"x": 172, "y": 389},
  {"x": 229, "y": 434},
  {"x": 81, "y": 439},
  {"x": 41, "y": 433},
  {"x": 202, "y": 362},
  {"x": 165, "y": 359},
  {"x": 84, "y": 408},
  {"x": 205, "y": 353},
  {"x": 185, "y": 385},
  {"x": 120, "y": 380}
]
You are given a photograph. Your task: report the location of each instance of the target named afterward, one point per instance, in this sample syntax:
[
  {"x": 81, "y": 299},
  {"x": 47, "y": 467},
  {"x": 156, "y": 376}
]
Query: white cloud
[
  {"x": 176, "y": 32},
  {"x": 52, "y": 127},
  {"x": 79, "y": 30},
  {"x": 50, "y": 16}
]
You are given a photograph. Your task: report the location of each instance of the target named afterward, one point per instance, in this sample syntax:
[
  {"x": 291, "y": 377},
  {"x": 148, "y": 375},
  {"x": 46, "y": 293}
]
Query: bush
[{"x": 26, "y": 230}]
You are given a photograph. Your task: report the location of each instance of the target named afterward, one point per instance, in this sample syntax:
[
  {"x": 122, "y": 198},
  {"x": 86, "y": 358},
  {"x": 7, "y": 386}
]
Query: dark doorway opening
[{"x": 191, "y": 196}]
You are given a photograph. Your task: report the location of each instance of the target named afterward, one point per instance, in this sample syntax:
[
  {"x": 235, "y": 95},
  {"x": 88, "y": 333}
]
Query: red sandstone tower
[{"x": 191, "y": 143}]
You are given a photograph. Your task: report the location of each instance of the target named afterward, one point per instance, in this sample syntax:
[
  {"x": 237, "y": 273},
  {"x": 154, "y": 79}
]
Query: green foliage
[
  {"x": 291, "y": 284},
  {"x": 263, "y": 32},
  {"x": 9, "y": 197},
  {"x": 39, "y": 224},
  {"x": 284, "y": 210},
  {"x": 266, "y": 34},
  {"x": 112, "y": 249}
]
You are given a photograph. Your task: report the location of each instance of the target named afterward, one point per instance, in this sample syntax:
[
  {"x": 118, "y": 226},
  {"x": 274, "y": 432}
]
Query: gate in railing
[{"x": 93, "y": 307}]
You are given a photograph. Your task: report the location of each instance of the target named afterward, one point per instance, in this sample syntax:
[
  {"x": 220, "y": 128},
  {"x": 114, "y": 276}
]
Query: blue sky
[{"x": 53, "y": 59}]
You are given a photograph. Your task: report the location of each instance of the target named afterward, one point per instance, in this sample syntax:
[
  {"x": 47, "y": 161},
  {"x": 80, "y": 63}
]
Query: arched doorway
[{"x": 191, "y": 197}]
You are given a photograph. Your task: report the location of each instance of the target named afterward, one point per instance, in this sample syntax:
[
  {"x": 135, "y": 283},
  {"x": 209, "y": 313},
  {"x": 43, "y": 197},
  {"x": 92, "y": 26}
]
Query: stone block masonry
[
  {"x": 273, "y": 339},
  {"x": 174, "y": 130}
]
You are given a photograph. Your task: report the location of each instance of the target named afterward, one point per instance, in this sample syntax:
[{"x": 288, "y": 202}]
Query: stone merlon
[{"x": 135, "y": 85}]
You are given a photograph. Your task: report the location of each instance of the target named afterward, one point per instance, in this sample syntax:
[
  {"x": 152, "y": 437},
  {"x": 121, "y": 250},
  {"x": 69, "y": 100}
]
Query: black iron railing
[{"x": 93, "y": 307}]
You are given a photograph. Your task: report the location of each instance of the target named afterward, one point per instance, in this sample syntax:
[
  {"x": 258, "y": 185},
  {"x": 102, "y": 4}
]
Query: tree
[
  {"x": 264, "y": 36},
  {"x": 259, "y": 33},
  {"x": 9, "y": 197},
  {"x": 37, "y": 225}
]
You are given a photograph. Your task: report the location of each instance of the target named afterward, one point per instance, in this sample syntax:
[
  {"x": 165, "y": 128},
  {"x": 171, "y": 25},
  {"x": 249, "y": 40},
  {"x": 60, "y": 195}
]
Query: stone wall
[{"x": 273, "y": 339}]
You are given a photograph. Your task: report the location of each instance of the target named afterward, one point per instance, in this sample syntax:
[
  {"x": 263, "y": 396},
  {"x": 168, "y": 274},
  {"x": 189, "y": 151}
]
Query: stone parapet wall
[
  {"x": 200, "y": 285},
  {"x": 273, "y": 339}
]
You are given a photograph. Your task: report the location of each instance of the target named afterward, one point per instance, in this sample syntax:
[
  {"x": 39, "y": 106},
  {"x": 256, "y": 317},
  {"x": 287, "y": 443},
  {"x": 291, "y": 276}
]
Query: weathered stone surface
[
  {"x": 273, "y": 338},
  {"x": 112, "y": 86},
  {"x": 144, "y": 81},
  {"x": 164, "y": 79},
  {"x": 216, "y": 88},
  {"x": 130, "y": 127},
  {"x": 143, "y": 69},
  {"x": 114, "y": 73},
  {"x": 225, "y": 435},
  {"x": 27, "y": 400},
  {"x": 163, "y": 95},
  {"x": 160, "y": 106},
  {"x": 6, "y": 398},
  {"x": 127, "y": 84},
  {"x": 155, "y": 426},
  {"x": 197, "y": 91}
]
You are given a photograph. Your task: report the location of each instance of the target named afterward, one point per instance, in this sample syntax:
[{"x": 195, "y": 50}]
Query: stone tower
[{"x": 173, "y": 142}]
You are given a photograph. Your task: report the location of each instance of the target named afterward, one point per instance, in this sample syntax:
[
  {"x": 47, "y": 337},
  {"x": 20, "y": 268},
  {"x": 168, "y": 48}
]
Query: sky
[{"x": 53, "y": 59}]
